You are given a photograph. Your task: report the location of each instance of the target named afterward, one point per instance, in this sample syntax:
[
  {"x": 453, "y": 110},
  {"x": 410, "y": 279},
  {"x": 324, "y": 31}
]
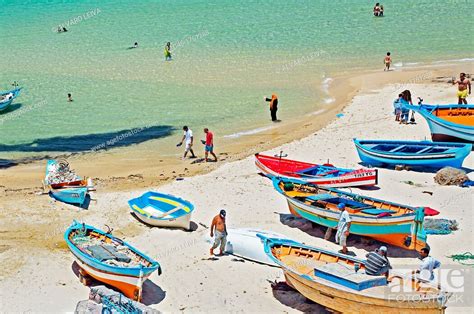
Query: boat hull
[
  {"x": 70, "y": 195},
  {"x": 453, "y": 158},
  {"x": 395, "y": 232},
  {"x": 180, "y": 222},
  {"x": 5, "y": 104},
  {"x": 353, "y": 178},
  {"x": 346, "y": 302},
  {"x": 447, "y": 131}
]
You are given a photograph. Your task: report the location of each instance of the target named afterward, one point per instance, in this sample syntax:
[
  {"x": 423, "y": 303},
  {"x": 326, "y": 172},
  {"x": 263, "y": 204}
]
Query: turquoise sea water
[{"x": 227, "y": 54}]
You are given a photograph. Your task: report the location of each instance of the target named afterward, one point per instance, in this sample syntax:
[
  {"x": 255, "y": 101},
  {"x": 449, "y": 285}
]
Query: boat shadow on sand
[
  {"x": 288, "y": 296},
  {"x": 416, "y": 169},
  {"x": 353, "y": 240},
  {"x": 151, "y": 294},
  {"x": 87, "y": 143},
  {"x": 193, "y": 226}
]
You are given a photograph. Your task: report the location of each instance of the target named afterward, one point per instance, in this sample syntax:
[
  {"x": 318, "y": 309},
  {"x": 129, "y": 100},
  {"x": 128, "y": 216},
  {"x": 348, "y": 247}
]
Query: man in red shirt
[{"x": 209, "y": 142}]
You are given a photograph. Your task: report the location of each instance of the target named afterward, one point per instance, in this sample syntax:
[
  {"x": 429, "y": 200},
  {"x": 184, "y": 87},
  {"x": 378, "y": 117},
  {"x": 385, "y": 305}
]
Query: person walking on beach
[
  {"x": 464, "y": 88},
  {"x": 209, "y": 145},
  {"x": 397, "y": 106},
  {"x": 343, "y": 227},
  {"x": 387, "y": 61},
  {"x": 428, "y": 264},
  {"x": 168, "y": 51},
  {"x": 188, "y": 140},
  {"x": 377, "y": 263},
  {"x": 273, "y": 106},
  {"x": 218, "y": 225}
]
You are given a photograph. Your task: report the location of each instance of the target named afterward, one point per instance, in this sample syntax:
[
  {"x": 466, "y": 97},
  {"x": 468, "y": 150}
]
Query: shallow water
[{"x": 228, "y": 55}]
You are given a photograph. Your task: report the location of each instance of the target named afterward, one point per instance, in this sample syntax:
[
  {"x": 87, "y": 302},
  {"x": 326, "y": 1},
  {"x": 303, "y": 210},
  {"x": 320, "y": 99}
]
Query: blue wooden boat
[
  {"x": 64, "y": 185},
  {"x": 7, "y": 97},
  {"x": 412, "y": 153},
  {"x": 339, "y": 282},
  {"x": 109, "y": 259},
  {"x": 389, "y": 222},
  {"x": 448, "y": 123},
  {"x": 162, "y": 210}
]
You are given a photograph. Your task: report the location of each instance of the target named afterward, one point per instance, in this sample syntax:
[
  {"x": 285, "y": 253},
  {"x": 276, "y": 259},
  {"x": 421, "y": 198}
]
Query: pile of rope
[
  {"x": 450, "y": 176},
  {"x": 440, "y": 226},
  {"x": 463, "y": 258}
]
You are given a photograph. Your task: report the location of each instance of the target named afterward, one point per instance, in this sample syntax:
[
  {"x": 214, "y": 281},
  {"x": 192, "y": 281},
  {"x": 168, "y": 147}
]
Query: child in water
[
  {"x": 168, "y": 52},
  {"x": 387, "y": 61}
]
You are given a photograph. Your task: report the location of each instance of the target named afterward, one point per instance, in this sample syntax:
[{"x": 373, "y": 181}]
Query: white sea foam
[
  {"x": 329, "y": 100},
  {"x": 316, "y": 112},
  {"x": 249, "y": 132},
  {"x": 325, "y": 85}
]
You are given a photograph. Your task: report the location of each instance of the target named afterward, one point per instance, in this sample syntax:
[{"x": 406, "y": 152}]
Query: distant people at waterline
[
  {"x": 168, "y": 51},
  {"x": 69, "y": 97},
  {"x": 62, "y": 29},
  {"x": 209, "y": 145},
  {"x": 188, "y": 139},
  {"x": 273, "y": 106},
  {"x": 387, "y": 61},
  {"x": 464, "y": 88}
]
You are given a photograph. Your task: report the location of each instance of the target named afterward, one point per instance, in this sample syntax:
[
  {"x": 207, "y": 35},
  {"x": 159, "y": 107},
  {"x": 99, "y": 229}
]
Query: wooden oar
[{"x": 169, "y": 212}]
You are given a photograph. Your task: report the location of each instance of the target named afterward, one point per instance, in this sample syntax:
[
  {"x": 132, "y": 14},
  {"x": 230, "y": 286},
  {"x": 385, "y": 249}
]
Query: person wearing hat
[
  {"x": 377, "y": 263},
  {"x": 343, "y": 227},
  {"x": 218, "y": 225}
]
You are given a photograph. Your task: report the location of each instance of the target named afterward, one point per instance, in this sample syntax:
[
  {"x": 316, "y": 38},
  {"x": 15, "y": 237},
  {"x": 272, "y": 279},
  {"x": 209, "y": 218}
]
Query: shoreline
[
  {"x": 33, "y": 251},
  {"x": 120, "y": 169}
]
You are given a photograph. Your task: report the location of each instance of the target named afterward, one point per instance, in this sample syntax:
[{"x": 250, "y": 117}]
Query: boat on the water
[
  {"x": 412, "y": 153},
  {"x": 323, "y": 175},
  {"x": 385, "y": 221},
  {"x": 338, "y": 282},
  {"x": 7, "y": 97},
  {"x": 248, "y": 243},
  {"x": 109, "y": 259},
  {"x": 448, "y": 123},
  {"x": 162, "y": 210},
  {"x": 64, "y": 184}
]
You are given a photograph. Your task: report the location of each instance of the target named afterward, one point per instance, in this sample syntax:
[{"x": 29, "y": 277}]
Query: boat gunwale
[{"x": 177, "y": 199}]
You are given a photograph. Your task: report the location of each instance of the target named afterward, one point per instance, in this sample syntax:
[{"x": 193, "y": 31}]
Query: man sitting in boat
[{"x": 377, "y": 263}]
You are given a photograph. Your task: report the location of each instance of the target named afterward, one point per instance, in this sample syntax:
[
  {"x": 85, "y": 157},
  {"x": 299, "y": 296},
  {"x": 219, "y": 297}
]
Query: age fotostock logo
[{"x": 455, "y": 283}]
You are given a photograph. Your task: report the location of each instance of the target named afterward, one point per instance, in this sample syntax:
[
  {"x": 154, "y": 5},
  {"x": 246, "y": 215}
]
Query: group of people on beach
[{"x": 188, "y": 140}]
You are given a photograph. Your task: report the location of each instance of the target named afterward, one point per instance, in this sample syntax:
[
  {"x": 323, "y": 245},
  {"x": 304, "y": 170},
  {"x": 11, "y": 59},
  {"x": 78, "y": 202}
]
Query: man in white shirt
[
  {"x": 188, "y": 139},
  {"x": 428, "y": 264},
  {"x": 343, "y": 227}
]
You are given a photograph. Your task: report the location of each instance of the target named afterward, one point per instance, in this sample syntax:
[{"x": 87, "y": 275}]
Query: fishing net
[
  {"x": 450, "y": 176},
  {"x": 61, "y": 173},
  {"x": 440, "y": 226},
  {"x": 463, "y": 259}
]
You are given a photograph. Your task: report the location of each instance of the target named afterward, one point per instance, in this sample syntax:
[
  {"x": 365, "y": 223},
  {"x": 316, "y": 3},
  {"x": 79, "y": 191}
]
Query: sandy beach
[{"x": 38, "y": 271}]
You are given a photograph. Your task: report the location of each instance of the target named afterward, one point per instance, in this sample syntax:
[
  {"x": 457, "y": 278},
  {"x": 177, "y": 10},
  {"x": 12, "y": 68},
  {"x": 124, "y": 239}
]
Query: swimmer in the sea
[{"x": 168, "y": 52}]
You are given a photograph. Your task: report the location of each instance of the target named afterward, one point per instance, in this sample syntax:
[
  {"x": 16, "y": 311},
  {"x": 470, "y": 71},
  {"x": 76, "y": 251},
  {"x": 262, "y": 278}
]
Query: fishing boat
[
  {"x": 162, "y": 210},
  {"x": 339, "y": 283},
  {"x": 324, "y": 175},
  {"x": 448, "y": 123},
  {"x": 7, "y": 97},
  {"x": 65, "y": 185},
  {"x": 248, "y": 243},
  {"x": 412, "y": 153},
  {"x": 385, "y": 221},
  {"x": 108, "y": 259}
]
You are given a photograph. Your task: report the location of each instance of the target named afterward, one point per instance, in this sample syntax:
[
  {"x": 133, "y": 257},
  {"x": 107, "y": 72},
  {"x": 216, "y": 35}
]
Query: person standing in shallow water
[
  {"x": 168, "y": 51},
  {"x": 273, "y": 106},
  {"x": 69, "y": 97},
  {"x": 387, "y": 61},
  {"x": 209, "y": 145},
  {"x": 218, "y": 224}
]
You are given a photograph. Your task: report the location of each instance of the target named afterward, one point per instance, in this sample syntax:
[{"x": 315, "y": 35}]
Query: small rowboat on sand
[
  {"x": 412, "y": 153},
  {"x": 385, "y": 221},
  {"x": 338, "y": 282},
  {"x": 64, "y": 185},
  {"x": 7, "y": 97},
  {"x": 162, "y": 210},
  {"x": 448, "y": 123},
  {"x": 108, "y": 259},
  {"x": 322, "y": 175}
]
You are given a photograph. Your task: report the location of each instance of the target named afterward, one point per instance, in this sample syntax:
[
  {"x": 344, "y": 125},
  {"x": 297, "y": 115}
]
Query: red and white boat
[{"x": 323, "y": 175}]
